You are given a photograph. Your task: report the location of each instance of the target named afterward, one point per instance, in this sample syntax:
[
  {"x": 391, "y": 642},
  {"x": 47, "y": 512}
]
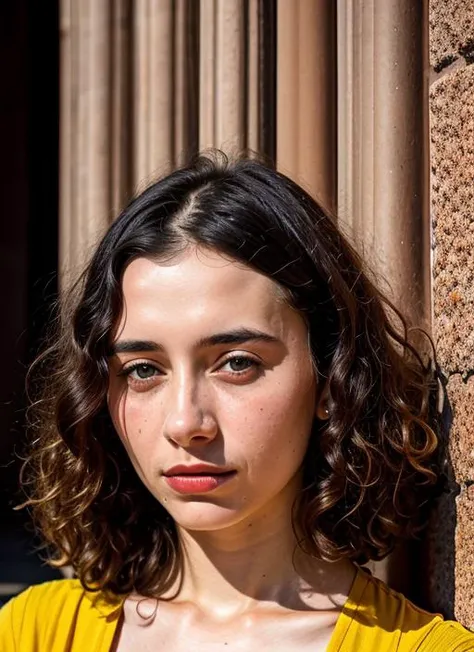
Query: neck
[{"x": 232, "y": 571}]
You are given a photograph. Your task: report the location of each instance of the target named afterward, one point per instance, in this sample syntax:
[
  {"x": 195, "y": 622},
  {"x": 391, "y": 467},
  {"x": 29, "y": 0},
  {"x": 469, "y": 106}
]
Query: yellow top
[{"x": 60, "y": 616}]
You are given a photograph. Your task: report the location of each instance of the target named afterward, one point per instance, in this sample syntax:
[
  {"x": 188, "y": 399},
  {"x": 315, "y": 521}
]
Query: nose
[{"x": 189, "y": 420}]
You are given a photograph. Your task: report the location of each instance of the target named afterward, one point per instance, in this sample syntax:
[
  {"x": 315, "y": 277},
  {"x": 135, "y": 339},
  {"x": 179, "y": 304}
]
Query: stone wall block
[
  {"x": 461, "y": 441},
  {"x": 464, "y": 558},
  {"x": 452, "y": 160},
  {"x": 451, "y": 31}
]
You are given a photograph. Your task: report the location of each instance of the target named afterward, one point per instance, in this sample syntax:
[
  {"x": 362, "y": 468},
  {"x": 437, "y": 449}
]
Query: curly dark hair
[{"x": 370, "y": 468}]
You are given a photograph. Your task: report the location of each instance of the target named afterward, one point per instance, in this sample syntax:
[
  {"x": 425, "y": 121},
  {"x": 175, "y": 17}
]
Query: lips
[
  {"x": 197, "y": 478},
  {"x": 195, "y": 469}
]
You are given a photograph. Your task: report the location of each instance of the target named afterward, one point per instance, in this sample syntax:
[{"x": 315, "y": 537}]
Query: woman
[{"x": 231, "y": 422}]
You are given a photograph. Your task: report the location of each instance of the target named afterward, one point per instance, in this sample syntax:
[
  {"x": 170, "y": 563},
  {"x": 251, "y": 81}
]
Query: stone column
[
  {"x": 381, "y": 147},
  {"x": 306, "y": 95},
  {"x": 381, "y": 144},
  {"x": 152, "y": 89},
  {"x": 451, "y": 100},
  {"x": 222, "y": 60},
  {"x": 144, "y": 84},
  {"x": 85, "y": 143},
  {"x": 236, "y": 76},
  {"x": 129, "y": 107}
]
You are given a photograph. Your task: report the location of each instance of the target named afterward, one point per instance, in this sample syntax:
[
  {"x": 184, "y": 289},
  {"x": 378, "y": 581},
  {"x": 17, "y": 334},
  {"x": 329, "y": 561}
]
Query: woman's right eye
[{"x": 142, "y": 371}]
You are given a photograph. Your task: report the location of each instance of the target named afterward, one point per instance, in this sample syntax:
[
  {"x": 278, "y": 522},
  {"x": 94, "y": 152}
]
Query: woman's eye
[
  {"x": 141, "y": 372},
  {"x": 239, "y": 364}
]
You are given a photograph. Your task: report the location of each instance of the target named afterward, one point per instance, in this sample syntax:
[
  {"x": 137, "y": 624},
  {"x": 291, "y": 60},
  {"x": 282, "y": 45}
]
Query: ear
[{"x": 321, "y": 408}]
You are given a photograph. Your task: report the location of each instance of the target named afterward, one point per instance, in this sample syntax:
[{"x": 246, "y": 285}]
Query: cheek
[
  {"x": 291, "y": 400},
  {"x": 137, "y": 431},
  {"x": 132, "y": 421},
  {"x": 276, "y": 420}
]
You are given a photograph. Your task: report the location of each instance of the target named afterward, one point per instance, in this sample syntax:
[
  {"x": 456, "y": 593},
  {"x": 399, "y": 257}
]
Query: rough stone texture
[
  {"x": 461, "y": 440},
  {"x": 451, "y": 31},
  {"x": 464, "y": 584},
  {"x": 452, "y": 160}
]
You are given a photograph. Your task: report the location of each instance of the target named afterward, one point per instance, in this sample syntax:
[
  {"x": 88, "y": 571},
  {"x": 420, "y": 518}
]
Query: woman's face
[{"x": 211, "y": 367}]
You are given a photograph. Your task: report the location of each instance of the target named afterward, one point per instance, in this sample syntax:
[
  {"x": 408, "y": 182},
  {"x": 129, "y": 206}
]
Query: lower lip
[{"x": 197, "y": 484}]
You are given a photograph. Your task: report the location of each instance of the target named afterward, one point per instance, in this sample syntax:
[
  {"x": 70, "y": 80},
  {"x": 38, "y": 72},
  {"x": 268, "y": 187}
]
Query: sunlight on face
[{"x": 212, "y": 367}]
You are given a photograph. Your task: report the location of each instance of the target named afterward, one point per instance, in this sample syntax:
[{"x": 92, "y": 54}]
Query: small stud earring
[{"x": 326, "y": 411}]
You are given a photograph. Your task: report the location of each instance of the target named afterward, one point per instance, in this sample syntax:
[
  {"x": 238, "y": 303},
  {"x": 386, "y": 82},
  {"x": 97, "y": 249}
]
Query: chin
[{"x": 203, "y": 516}]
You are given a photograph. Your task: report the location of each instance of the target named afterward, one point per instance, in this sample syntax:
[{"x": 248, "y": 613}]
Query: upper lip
[{"x": 193, "y": 469}]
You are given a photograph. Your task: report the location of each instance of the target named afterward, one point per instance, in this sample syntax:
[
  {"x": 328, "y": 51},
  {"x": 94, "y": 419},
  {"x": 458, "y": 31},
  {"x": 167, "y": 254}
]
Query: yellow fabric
[
  {"x": 61, "y": 617},
  {"x": 377, "y": 619}
]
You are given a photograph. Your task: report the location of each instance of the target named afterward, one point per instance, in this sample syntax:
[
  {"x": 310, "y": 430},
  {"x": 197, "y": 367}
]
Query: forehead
[{"x": 199, "y": 289}]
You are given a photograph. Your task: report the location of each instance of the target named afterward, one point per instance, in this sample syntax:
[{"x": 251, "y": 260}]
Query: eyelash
[
  {"x": 253, "y": 363},
  {"x": 127, "y": 371}
]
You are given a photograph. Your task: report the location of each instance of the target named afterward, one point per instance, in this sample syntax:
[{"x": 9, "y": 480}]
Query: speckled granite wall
[
  {"x": 451, "y": 31},
  {"x": 452, "y": 207}
]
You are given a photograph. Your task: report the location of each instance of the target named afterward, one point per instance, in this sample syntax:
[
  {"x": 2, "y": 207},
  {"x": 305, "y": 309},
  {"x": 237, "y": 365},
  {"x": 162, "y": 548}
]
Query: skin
[{"x": 246, "y": 406}]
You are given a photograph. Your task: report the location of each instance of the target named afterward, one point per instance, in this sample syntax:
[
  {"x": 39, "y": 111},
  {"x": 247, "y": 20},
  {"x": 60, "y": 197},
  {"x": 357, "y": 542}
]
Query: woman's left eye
[{"x": 239, "y": 364}]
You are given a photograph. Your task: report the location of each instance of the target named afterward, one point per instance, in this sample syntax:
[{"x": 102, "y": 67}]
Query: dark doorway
[{"x": 29, "y": 126}]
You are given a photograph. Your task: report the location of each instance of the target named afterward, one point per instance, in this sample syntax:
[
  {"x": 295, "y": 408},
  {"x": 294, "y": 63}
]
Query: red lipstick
[{"x": 196, "y": 478}]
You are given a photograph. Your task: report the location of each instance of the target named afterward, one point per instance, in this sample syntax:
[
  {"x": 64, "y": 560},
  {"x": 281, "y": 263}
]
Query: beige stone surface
[
  {"x": 464, "y": 582},
  {"x": 451, "y": 30},
  {"x": 452, "y": 190},
  {"x": 461, "y": 440}
]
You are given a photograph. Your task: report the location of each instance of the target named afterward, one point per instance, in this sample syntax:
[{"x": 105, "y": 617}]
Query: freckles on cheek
[
  {"x": 137, "y": 440},
  {"x": 128, "y": 418},
  {"x": 285, "y": 417},
  {"x": 135, "y": 421},
  {"x": 284, "y": 404}
]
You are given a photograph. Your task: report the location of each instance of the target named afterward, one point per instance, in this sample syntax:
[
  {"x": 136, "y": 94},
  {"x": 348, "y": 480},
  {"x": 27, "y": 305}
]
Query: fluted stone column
[
  {"x": 306, "y": 95},
  {"x": 129, "y": 103},
  {"x": 144, "y": 84},
  {"x": 152, "y": 89},
  {"x": 85, "y": 181},
  {"x": 382, "y": 141},
  {"x": 382, "y": 150}
]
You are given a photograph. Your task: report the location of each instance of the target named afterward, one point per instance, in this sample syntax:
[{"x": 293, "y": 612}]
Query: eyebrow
[{"x": 237, "y": 336}]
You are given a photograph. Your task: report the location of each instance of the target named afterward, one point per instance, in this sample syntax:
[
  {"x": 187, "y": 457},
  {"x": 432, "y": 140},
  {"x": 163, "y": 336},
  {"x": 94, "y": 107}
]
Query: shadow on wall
[{"x": 438, "y": 547}]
